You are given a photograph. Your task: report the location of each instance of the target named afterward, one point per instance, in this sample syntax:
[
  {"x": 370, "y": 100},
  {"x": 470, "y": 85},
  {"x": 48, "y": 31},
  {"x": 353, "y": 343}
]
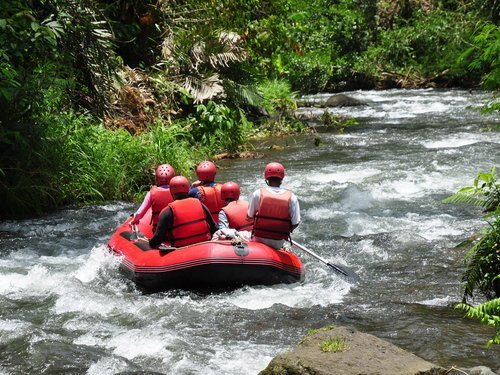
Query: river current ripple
[{"x": 370, "y": 199}]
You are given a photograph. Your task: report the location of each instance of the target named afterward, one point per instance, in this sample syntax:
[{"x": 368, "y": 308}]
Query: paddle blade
[{"x": 345, "y": 272}]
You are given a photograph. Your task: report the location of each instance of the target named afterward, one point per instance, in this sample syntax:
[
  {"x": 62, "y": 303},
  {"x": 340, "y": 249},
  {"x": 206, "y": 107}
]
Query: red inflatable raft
[{"x": 205, "y": 265}]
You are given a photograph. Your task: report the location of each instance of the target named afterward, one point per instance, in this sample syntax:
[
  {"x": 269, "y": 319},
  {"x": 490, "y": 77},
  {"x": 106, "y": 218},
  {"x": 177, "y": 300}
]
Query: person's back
[
  {"x": 206, "y": 189},
  {"x": 189, "y": 225},
  {"x": 275, "y": 210},
  {"x": 158, "y": 197},
  {"x": 234, "y": 214},
  {"x": 185, "y": 221}
]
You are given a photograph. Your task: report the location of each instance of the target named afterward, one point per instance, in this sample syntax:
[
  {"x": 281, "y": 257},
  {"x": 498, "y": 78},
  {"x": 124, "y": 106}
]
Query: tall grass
[{"x": 79, "y": 161}]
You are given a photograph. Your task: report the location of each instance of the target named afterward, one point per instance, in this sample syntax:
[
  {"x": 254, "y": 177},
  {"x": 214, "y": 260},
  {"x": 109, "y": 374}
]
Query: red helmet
[
  {"x": 230, "y": 190},
  {"x": 179, "y": 184},
  {"x": 206, "y": 171},
  {"x": 164, "y": 174},
  {"x": 274, "y": 170}
]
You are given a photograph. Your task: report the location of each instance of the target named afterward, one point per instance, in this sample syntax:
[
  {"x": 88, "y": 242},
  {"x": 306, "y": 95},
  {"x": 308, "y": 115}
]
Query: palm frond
[{"x": 202, "y": 88}]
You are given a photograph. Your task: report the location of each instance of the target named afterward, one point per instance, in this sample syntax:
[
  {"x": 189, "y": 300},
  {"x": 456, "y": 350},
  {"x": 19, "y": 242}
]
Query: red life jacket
[
  {"x": 272, "y": 220},
  {"x": 211, "y": 197},
  {"x": 160, "y": 198},
  {"x": 189, "y": 223},
  {"x": 236, "y": 213}
]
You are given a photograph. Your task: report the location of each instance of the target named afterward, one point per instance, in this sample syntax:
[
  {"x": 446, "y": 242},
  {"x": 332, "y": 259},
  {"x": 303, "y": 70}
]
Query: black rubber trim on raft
[{"x": 208, "y": 276}]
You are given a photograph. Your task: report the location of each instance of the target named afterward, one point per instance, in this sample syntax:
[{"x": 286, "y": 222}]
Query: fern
[
  {"x": 487, "y": 313},
  {"x": 242, "y": 95},
  {"x": 483, "y": 263},
  {"x": 483, "y": 259},
  {"x": 485, "y": 193}
]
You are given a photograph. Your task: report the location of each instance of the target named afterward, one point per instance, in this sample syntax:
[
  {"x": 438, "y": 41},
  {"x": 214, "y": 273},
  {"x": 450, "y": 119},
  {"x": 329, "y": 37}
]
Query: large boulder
[
  {"x": 342, "y": 100},
  {"x": 336, "y": 100},
  {"x": 362, "y": 354}
]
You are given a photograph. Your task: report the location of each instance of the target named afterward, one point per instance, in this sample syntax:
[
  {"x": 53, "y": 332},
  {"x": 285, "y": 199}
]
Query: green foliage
[
  {"x": 308, "y": 42},
  {"x": 216, "y": 127},
  {"x": 82, "y": 162},
  {"x": 483, "y": 259},
  {"x": 316, "y": 330},
  {"x": 483, "y": 264},
  {"x": 484, "y": 193},
  {"x": 427, "y": 44},
  {"x": 199, "y": 63},
  {"x": 278, "y": 96},
  {"x": 333, "y": 345},
  {"x": 493, "y": 106},
  {"x": 487, "y": 313},
  {"x": 482, "y": 56},
  {"x": 336, "y": 122}
]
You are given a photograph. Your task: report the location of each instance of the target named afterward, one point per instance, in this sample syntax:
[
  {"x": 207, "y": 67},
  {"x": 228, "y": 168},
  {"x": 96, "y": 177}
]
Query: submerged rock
[{"x": 356, "y": 353}]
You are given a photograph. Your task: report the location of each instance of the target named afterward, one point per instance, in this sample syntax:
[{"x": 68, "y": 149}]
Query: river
[{"x": 370, "y": 199}]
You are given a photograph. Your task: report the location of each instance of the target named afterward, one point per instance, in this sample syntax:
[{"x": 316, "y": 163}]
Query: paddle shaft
[{"x": 310, "y": 252}]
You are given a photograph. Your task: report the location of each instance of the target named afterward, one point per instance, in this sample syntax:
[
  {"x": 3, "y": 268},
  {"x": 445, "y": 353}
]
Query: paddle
[{"x": 342, "y": 271}]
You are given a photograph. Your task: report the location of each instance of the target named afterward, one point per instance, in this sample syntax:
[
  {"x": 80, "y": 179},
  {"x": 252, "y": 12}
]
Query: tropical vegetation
[
  {"x": 95, "y": 93},
  {"x": 482, "y": 262}
]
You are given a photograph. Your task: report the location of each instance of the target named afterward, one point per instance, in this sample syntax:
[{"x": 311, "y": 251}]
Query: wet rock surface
[{"x": 360, "y": 353}]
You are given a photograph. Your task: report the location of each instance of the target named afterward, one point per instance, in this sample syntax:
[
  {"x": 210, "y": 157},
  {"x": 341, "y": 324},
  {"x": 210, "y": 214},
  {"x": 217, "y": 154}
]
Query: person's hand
[
  {"x": 143, "y": 238},
  {"x": 135, "y": 220},
  {"x": 196, "y": 183}
]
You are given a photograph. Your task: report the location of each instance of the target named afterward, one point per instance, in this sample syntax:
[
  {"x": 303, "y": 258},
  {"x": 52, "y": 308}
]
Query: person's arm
[
  {"x": 253, "y": 205},
  {"x": 223, "y": 221},
  {"x": 294, "y": 212},
  {"x": 161, "y": 230},
  {"x": 141, "y": 211},
  {"x": 210, "y": 220},
  {"x": 194, "y": 192}
]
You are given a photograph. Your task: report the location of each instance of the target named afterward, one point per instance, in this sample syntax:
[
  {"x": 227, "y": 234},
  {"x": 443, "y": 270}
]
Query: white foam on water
[
  {"x": 460, "y": 140},
  {"x": 11, "y": 329},
  {"x": 321, "y": 213},
  {"x": 150, "y": 341},
  {"x": 431, "y": 228},
  {"x": 98, "y": 260},
  {"x": 240, "y": 358},
  {"x": 296, "y": 295},
  {"x": 414, "y": 184},
  {"x": 90, "y": 301},
  {"x": 438, "y": 301},
  {"x": 325, "y": 176},
  {"x": 37, "y": 282},
  {"x": 107, "y": 366},
  {"x": 436, "y": 227},
  {"x": 367, "y": 247},
  {"x": 403, "y": 189}
]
